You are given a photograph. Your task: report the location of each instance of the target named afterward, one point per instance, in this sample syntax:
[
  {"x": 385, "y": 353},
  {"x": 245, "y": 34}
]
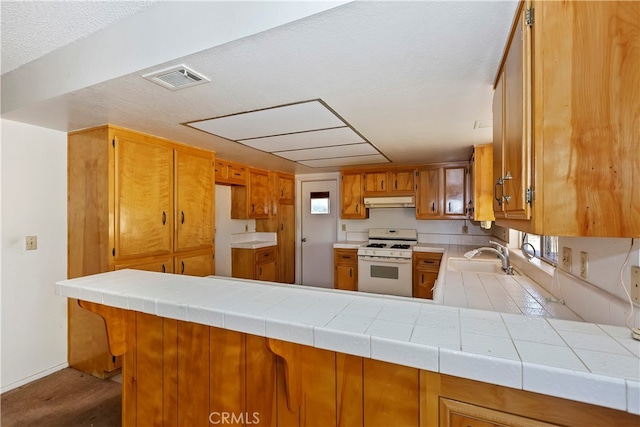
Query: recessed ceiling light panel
[{"x": 178, "y": 77}]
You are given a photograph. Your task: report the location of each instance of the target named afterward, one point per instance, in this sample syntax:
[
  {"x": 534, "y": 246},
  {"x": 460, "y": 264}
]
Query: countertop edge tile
[
  {"x": 633, "y": 397},
  {"x": 288, "y": 331},
  {"x": 580, "y": 386},
  {"x": 405, "y": 353},
  {"x": 342, "y": 341},
  {"x": 492, "y": 370}
]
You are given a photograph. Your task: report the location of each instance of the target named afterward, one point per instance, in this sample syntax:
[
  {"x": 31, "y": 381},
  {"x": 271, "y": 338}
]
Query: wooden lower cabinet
[
  {"x": 178, "y": 373},
  {"x": 426, "y": 266},
  {"x": 256, "y": 264},
  {"x": 195, "y": 264},
  {"x": 345, "y": 274}
]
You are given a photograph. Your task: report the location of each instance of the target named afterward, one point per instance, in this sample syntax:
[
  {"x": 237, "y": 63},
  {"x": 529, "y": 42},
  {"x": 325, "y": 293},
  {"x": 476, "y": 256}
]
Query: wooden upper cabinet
[
  {"x": 498, "y": 144},
  {"x": 570, "y": 130},
  {"x": 455, "y": 190},
  {"x": 480, "y": 194},
  {"x": 384, "y": 182},
  {"x": 251, "y": 201},
  {"x": 143, "y": 198},
  {"x": 402, "y": 181},
  {"x": 516, "y": 150},
  {"x": 286, "y": 190},
  {"x": 258, "y": 206},
  {"x": 230, "y": 173},
  {"x": 375, "y": 183},
  {"x": 428, "y": 200},
  {"x": 441, "y": 191},
  {"x": 194, "y": 194},
  {"x": 352, "y": 196}
]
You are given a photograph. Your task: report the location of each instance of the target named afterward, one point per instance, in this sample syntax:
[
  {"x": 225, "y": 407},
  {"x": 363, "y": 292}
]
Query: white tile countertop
[
  {"x": 590, "y": 363},
  {"x": 253, "y": 240},
  {"x": 348, "y": 244}
]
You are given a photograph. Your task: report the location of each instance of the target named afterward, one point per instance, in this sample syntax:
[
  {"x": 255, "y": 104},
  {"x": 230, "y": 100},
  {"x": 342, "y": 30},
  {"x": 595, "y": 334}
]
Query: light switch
[{"x": 31, "y": 243}]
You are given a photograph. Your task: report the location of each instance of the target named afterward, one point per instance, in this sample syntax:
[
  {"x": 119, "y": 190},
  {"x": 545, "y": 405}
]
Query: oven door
[{"x": 384, "y": 275}]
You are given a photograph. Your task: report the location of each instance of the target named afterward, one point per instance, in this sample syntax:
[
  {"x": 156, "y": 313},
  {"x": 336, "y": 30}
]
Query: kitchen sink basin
[{"x": 476, "y": 265}]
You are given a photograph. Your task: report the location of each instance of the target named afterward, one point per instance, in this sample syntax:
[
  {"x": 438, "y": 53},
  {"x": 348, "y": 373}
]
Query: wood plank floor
[{"x": 67, "y": 398}]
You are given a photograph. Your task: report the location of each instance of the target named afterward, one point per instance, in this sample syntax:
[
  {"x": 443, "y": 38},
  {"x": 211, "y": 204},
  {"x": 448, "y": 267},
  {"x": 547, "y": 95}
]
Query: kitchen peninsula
[{"x": 305, "y": 356}]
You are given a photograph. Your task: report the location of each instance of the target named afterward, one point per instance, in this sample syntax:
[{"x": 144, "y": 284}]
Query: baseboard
[{"x": 33, "y": 377}]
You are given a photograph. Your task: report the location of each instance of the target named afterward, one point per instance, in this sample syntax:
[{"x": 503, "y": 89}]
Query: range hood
[{"x": 390, "y": 202}]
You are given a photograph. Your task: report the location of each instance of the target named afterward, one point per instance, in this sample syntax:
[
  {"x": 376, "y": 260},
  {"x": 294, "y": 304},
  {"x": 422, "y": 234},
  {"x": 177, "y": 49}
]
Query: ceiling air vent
[{"x": 178, "y": 77}]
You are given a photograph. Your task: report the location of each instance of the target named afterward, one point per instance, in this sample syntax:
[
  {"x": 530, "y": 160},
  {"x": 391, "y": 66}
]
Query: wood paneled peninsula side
[{"x": 197, "y": 349}]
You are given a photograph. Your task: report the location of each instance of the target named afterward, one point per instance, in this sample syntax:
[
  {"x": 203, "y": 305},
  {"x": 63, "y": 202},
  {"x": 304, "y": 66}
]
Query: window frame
[{"x": 546, "y": 246}]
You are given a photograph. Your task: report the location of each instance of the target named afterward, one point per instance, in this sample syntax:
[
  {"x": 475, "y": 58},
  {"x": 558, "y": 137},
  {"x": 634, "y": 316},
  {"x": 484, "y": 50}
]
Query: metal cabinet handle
[
  {"x": 422, "y": 279},
  {"x": 182, "y": 220},
  {"x": 282, "y": 227},
  {"x": 164, "y": 217},
  {"x": 164, "y": 270},
  {"x": 357, "y": 206},
  {"x": 260, "y": 271},
  {"x": 433, "y": 207},
  {"x": 428, "y": 261},
  {"x": 351, "y": 272},
  {"x": 253, "y": 208},
  {"x": 396, "y": 184},
  {"x": 182, "y": 272},
  {"x": 449, "y": 206},
  {"x": 500, "y": 182},
  {"x": 382, "y": 185},
  {"x": 507, "y": 199}
]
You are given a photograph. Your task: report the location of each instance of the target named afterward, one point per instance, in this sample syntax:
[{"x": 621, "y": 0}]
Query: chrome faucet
[{"x": 501, "y": 250}]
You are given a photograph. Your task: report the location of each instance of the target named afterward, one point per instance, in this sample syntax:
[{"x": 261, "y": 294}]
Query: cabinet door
[
  {"x": 498, "y": 145},
  {"x": 258, "y": 194},
  {"x": 164, "y": 265},
  {"x": 345, "y": 269},
  {"x": 143, "y": 198},
  {"x": 194, "y": 200},
  {"x": 402, "y": 181},
  {"x": 267, "y": 271},
  {"x": 428, "y": 194},
  {"x": 375, "y": 183},
  {"x": 351, "y": 191},
  {"x": 346, "y": 277},
  {"x": 454, "y": 191},
  {"x": 287, "y": 243},
  {"x": 286, "y": 188},
  {"x": 202, "y": 264},
  {"x": 516, "y": 167}
]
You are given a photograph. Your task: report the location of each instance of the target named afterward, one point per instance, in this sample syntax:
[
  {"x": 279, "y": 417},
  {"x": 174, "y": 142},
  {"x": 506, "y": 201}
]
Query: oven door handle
[{"x": 384, "y": 260}]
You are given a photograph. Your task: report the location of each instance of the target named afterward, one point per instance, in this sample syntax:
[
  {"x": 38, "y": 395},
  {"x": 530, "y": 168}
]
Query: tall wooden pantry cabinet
[{"x": 134, "y": 201}]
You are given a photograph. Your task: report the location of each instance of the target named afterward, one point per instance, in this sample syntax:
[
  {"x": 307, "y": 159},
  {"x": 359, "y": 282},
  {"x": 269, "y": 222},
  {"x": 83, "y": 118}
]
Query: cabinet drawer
[
  {"x": 236, "y": 173},
  {"x": 265, "y": 255},
  {"x": 427, "y": 261},
  {"x": 346, "y": 256}
]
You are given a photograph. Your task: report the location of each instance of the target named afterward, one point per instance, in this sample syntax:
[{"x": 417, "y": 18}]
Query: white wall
[
  {"x": 600, "y": 298},
  {"x": 429, "y": 231},
  {"x": 33, "y": 321},
  {"x": 225, "y": 227}
]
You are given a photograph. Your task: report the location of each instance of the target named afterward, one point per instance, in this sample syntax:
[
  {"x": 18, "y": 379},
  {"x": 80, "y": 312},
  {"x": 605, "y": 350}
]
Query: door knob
[{"x": 304, "y": 239}]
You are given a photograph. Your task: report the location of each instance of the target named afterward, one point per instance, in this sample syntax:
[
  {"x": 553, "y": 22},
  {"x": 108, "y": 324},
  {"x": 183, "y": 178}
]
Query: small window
[
  {"x": 545, "y": 247},
  {"x": 320, "y": 203}
]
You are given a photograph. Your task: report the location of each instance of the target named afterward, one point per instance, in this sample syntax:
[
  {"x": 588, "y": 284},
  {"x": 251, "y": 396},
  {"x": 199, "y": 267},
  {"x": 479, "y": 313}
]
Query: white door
[{"x": 318, "y": 231}]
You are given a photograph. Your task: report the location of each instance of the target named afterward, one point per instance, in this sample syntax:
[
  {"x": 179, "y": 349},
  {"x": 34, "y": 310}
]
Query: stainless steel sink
[{"x": 493, "y": 266}]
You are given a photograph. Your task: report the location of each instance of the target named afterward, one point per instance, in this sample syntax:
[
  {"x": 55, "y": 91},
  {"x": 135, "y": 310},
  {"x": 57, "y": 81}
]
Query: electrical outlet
[
  {"x": 246, "y": 227},
  {"x": 635, "y": 284},
  {"x": 31, "y": 243},
  {"x": 584, "y": 264},
  {"x": 566, "y": 259}
]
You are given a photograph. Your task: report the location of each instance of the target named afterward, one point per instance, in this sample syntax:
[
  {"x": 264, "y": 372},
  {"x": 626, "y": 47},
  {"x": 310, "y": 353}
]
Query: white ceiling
[{"x": 412, "y": 78}]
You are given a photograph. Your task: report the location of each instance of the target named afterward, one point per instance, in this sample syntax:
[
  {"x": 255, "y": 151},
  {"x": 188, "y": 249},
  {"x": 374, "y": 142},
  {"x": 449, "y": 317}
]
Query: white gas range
[{"x": 385, "y": 262}]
